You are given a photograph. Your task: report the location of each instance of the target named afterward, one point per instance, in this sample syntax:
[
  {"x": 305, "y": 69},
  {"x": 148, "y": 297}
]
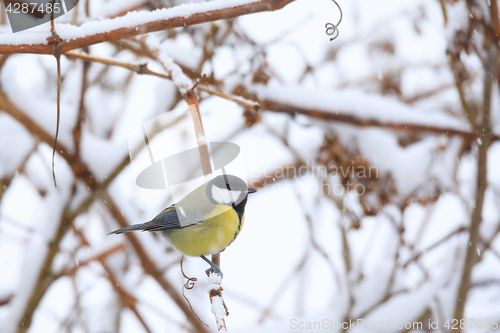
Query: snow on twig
[
  {"x": 218, "y": 307},
  {"x": 174, "y": 71}
]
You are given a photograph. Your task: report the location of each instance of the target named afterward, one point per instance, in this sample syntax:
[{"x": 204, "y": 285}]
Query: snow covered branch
[
  {"x": 418, "y": 126},
  {"x": 134, "y": 24},
  {"x": 144, "y": 69}
]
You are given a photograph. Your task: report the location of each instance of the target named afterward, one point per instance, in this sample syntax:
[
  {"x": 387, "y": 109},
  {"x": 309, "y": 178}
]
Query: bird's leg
[{"x": 213, "y": 267}]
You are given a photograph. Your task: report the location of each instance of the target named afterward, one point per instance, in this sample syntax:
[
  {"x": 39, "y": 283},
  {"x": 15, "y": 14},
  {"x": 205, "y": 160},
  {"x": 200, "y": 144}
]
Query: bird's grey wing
[
  {"x": 174, "y": 217},
  {"x": 196, "y": 207},
  {"x": 167, "y": 219},
  {"x": 192, "y": 209}
]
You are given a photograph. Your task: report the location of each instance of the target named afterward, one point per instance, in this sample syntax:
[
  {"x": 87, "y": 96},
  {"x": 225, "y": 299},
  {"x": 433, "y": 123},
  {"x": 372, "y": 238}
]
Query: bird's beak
[{"x": 251, "y": 190}]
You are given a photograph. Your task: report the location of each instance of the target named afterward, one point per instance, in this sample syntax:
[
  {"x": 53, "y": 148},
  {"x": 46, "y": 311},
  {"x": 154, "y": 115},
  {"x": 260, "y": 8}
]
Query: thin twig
[
  {"x": 190, "y": 281},
  {"x": 139, "y": 51},
  {"x": 97, "y": 257},
  {"x": 58, "y": 59},
  {"x": 434, "y": 245},
  {"x": 248, "y": 104},
  {"x": 457, "y": 69},
  {"x": 144, "y": 69},
  {"x": 54, "y": 42},
  {"x": 77, "y": 131},
  {"x": 137, "y": 68}
]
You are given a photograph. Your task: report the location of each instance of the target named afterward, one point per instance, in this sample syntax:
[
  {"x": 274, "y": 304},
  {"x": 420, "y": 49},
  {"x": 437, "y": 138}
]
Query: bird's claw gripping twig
[
  {"x": 213, "y": 267},
  {"x": 216, "y": 270}
]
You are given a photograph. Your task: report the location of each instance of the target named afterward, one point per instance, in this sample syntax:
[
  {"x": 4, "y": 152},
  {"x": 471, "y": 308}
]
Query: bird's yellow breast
[{"x": 210, "y": 236}]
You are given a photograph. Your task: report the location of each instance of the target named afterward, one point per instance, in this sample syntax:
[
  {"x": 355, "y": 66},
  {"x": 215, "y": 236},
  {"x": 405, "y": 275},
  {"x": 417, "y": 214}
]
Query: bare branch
[
  {"x": 98, "y": 257},
  {"x": 434, "y": 245},
  {"x": 352, "y": 120}
]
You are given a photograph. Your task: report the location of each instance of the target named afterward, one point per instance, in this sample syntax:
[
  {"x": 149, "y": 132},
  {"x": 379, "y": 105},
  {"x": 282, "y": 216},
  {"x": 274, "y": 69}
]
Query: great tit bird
[{"x": 205, "y": 221}]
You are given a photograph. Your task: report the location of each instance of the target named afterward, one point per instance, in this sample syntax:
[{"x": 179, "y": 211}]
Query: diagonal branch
[
  {"x": 144, "y": 69},
  {"x": 352, "y": 120},
  {"x": 133, "y": 25},
  {"x": 433, "y": 246}
]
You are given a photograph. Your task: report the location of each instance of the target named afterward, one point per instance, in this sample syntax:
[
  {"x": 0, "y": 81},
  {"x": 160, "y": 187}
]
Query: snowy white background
[{"x": 301, "y": 256}]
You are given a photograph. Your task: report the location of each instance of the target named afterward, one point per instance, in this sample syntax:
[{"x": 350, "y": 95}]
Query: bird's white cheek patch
[{"x": 224, "y": 196}]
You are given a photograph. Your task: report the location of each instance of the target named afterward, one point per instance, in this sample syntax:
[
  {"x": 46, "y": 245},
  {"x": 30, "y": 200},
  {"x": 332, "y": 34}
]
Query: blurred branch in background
[
  {"x": 46, "y": 277},
  {"x": 484, "y": 141}
]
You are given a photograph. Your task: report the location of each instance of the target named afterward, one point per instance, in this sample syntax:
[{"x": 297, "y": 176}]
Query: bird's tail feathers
[{"x": 139, "y": 226}]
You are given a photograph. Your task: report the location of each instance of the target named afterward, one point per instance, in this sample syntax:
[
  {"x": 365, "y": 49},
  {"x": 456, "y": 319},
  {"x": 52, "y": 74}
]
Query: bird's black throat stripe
[{"x": 240, "y": 209}]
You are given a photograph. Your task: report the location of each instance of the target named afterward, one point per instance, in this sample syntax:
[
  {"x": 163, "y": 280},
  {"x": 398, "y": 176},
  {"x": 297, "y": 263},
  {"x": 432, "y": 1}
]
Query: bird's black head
[{"x": 228, "y": 190}]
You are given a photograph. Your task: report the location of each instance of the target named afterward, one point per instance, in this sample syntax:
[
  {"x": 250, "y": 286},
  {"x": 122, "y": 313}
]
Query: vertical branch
[
  {"x": 495, "y": 20},
  {"x": 77, "y": 131},
  {"x": 443, "y": 9},
  {"x": 3, "y": 13},
  {"x": 484, "y": 139},
  {"x": 459, "y": 74},
  {"x": 194, "y": 107},
  {"x": 215, "y": 292},
  {"x": 54, "y": 41},
  {"x": 348, "y": 267},
  {"x": 152, "y": 46},
  {"x": 58, "y": 59}
]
